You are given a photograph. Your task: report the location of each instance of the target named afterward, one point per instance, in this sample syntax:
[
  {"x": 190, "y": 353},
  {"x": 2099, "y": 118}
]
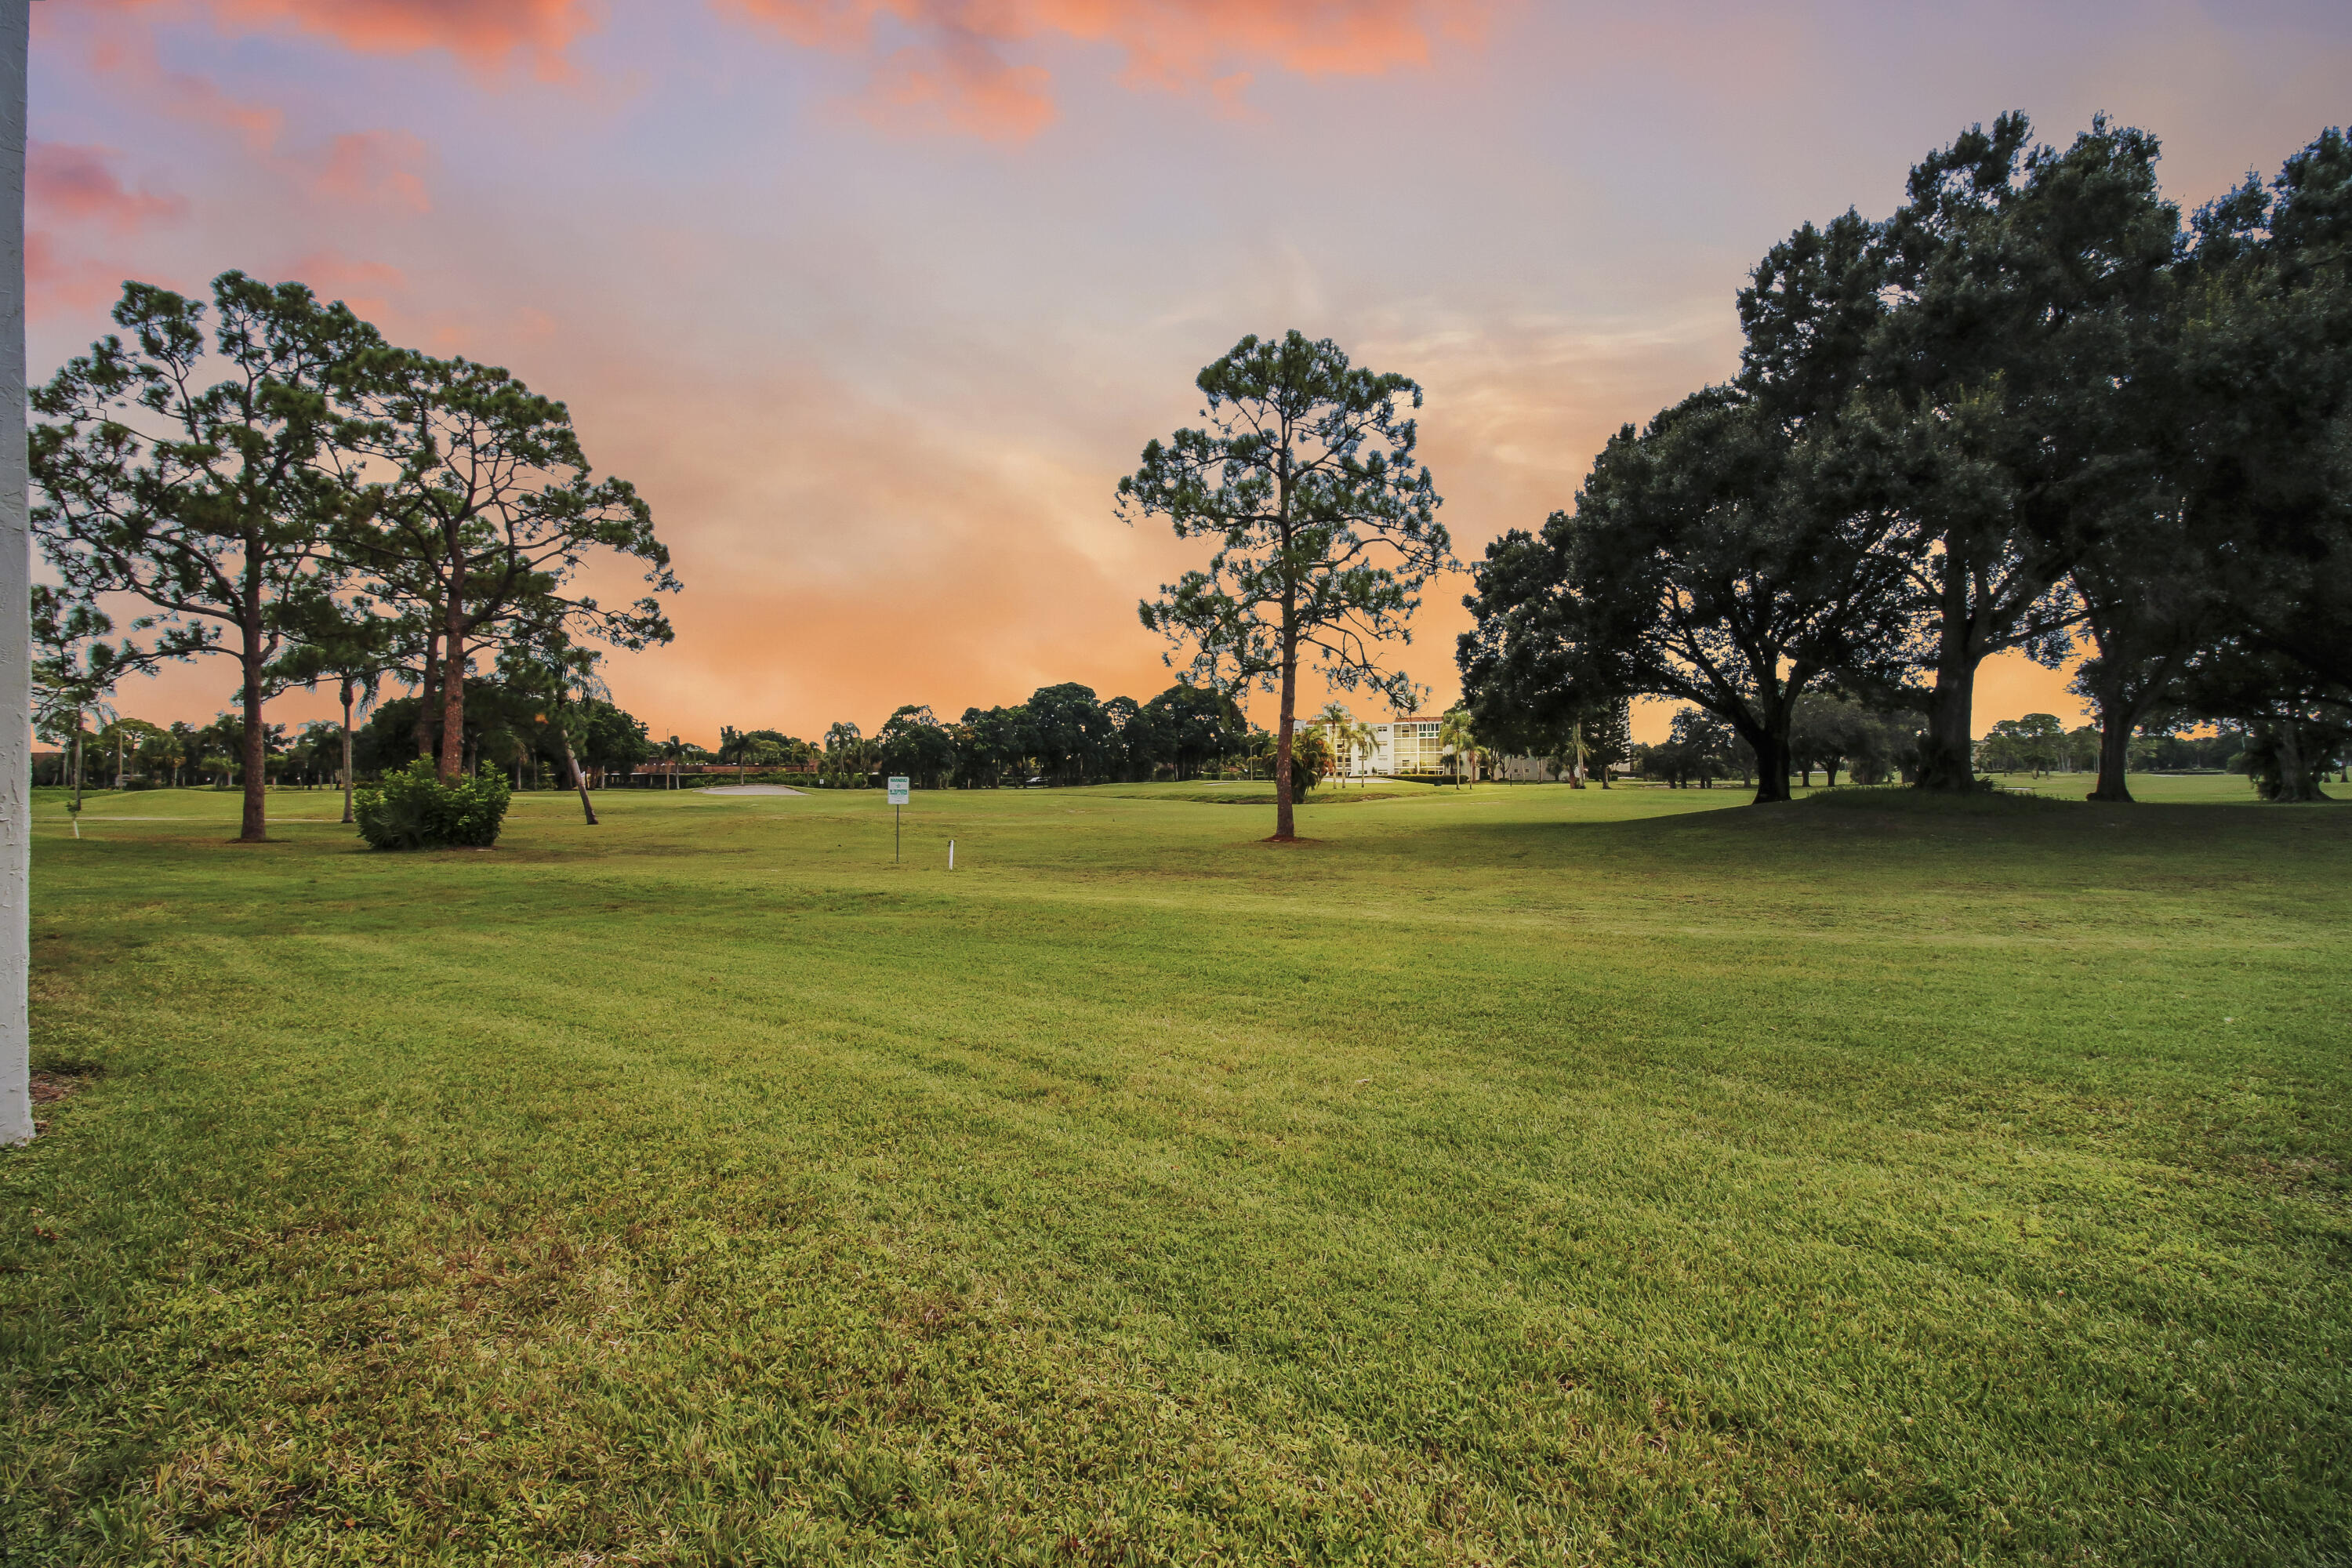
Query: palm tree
[
  {"x": 73, "y": 673},
  {"x": 734, "y": 746},
  {"x": 568, "y": 675},
  {"x": 353, "y": 647},
  {"x": 1573, "y": 756},
  {"x": 1362, "y": 741},
  {"x": 1460, "y": 742},
  {"x": 848, "y": 752},
  {"x": 1337, "y": 724}
]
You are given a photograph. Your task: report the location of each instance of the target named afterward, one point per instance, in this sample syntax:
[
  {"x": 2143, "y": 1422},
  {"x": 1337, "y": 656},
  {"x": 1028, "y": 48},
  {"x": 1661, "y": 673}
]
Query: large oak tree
[{"x": 2002, "y": 419}]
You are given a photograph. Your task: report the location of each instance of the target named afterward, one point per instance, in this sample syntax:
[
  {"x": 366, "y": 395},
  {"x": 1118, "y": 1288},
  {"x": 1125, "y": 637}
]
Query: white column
[{"x": 15, "y": 593}]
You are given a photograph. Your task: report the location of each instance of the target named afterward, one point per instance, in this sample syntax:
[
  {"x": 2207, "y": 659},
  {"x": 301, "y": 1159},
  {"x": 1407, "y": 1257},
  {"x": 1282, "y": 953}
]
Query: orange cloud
[
  {"x": 78, "y": 184},
  {"x": 373, "y": 165},
  {"x": 963, "y": 87},
  {"x": 954, "y": 76},
  {"x": 487, "y": 35}
]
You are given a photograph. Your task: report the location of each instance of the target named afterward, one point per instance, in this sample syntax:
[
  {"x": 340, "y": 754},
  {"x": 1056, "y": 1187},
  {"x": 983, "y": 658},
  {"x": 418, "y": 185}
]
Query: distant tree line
[
  {"x": 2033, "y": 410},
  {"x": 1063, "y": 734},
  {"x": 1834, "y": 735},
  {"x": 505, "y": 729}
]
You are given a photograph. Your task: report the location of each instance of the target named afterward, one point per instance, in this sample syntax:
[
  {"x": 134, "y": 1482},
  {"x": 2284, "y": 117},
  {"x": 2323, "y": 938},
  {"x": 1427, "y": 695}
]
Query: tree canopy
[{"x": 2030, "y": 408}]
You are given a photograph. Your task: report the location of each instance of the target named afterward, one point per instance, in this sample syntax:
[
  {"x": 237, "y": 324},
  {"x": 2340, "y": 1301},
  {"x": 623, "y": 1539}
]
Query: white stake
[{"x": 951, "y": 854}]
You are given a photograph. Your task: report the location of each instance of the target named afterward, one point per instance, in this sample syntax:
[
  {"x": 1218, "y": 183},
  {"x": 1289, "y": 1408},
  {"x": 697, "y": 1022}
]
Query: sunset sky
[{"x": 876, "y": 300}]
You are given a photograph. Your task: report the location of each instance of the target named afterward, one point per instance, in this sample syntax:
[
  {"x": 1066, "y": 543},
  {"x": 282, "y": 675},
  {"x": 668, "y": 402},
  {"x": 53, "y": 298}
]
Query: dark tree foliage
[
  {"x": 1728, "y": 555},
  {"x": 1700, "y": 564},
  {"x": 2295, "y": 720},
  {"x": 2263, "y": 386},
  {"x": 1068, "y": 733},
  {"x": 2003, "y": 418},
  {"x": 2149, "y": 612},
  {"x": 612, "y": 740},
  {"x": 2026, "y": 406},
  {"x": 1129, "y": 754},
  {"x": 992, "y": 745},
  {"x": 914, "y": 743},
  {"x": 1192, "y": 725},
  {"x": 1833, "y": 733},
  {"x": 1699, "y": 749}
]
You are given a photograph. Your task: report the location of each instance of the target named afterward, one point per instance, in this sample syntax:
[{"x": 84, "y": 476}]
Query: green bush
[{"x": 412, "y": 809}]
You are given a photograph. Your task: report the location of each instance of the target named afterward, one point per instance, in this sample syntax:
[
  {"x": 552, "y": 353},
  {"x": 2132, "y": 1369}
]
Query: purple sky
[{"x": 876, "y": 300}]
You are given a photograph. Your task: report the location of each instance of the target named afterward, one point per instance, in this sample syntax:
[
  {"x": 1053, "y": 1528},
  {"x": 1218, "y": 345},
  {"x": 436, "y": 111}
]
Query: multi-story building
[
  {"x": 1405, "y": 746},
  {"x": 1409, "y": 747}
]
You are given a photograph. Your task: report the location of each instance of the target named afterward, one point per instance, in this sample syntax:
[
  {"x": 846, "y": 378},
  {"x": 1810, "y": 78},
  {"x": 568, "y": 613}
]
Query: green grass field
[{"x": 1509, "y": 1175}]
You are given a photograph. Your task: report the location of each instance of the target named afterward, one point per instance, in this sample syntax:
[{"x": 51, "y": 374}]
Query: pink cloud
[
  {"x": 78, "y": 184},
  {"x": 128, "y": 53},
  {"x": 376, "y": 165},
  {"x": 68, "y": 189},
  {"x": 960, "y": 87},
  {"x": 487, "y": 35},
  {"x": 954, "y": 75}
]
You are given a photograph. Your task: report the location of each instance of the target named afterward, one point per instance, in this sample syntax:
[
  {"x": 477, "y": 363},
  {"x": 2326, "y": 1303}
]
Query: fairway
[{"x": 1510, "y": 1174}]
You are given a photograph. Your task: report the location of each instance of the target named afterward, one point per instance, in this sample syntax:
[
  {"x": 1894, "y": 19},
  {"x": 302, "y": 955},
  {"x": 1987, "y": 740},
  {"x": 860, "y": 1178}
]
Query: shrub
[{"x": 412, "y": 809}]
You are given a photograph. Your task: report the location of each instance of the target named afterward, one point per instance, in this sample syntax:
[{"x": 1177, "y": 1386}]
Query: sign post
[{"x": 897, "y": 799}]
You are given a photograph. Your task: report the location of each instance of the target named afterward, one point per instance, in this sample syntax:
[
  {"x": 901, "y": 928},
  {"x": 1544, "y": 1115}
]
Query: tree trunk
[
  {"x": 347, "y": 752},
  {"x": 1947, "y": 757},
  {"x": 2298, "y": 769},
  {"x": 1771, "y": 748},
  {"x": 579, "y": 780},
  {"x": 1285, "y": 827},
  {"x": 77, "y": 760},
  {"x": 427, "y": 693},
  {"x": 2115, "y": 752},
  {"x": 453, "y": 700},
  {"x": 255, "y": 827},
  {"x": 452, "y": 758}
]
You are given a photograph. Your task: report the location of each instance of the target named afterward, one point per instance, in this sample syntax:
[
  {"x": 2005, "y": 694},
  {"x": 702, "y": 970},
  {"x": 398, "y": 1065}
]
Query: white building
[{"x": 1408, "y": 747}]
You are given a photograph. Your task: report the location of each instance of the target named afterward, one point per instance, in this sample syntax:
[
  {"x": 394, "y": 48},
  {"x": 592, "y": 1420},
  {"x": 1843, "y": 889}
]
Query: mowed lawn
[{"x": 1510, "y": 1175}]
